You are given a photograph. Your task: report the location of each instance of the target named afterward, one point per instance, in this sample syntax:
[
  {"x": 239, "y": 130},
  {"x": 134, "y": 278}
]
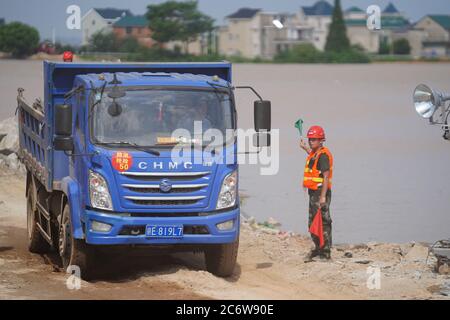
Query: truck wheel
[
  {"x": 221, "y": 258},
  {"x": 74, "y": 252},
  {"x": 36, "y": 242}
]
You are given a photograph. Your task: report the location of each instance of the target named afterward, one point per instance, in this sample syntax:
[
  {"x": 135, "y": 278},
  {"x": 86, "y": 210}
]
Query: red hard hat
[
  {"x": 67, "y": 56},
  {"x": 316, "y": 132}
]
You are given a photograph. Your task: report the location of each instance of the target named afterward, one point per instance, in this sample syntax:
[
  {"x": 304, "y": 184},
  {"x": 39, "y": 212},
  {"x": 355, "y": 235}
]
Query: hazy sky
[{"x": 45, "y": 14}]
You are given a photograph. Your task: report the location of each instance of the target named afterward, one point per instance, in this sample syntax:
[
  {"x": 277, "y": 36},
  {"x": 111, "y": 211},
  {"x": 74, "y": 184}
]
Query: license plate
[{"x": 153, "y": 231}]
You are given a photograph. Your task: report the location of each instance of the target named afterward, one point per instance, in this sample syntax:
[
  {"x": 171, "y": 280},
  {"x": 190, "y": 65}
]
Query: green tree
[
  {"x": 177, "y": 21},
  {"x": 302, "y": 53},
  {"x": 60, "y": 48},
  {"x": 19, "y": 39},
  {"x": 307, "y": 53},
  {"x": 129, "y": 44},
  {"x": 103, "y": 42},
  {"x": 337, "y": 40},
  {"x": 401, "y": 46}
]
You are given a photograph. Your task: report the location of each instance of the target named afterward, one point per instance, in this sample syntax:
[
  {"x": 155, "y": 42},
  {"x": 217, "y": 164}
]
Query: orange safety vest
[{"x": 311, "y": 177}]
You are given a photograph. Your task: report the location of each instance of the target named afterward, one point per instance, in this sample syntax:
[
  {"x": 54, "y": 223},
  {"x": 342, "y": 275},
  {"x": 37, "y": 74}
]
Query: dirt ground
[{"x": 270, "y": 266}]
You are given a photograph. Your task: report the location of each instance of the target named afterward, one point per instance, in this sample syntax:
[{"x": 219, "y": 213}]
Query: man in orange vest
[{"x": 317, "y": 179}]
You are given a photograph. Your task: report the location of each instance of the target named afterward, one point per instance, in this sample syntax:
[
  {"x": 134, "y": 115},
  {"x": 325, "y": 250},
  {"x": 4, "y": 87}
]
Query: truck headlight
[
  {"x": 228, "y": 192},
  {"x": 99, "y": 192}
]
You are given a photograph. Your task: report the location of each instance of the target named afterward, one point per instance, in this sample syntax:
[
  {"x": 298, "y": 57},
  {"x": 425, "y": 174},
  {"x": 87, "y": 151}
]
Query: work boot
[
  {"x": 312, "y": 254},
  {"x": 325, "y": 256}
]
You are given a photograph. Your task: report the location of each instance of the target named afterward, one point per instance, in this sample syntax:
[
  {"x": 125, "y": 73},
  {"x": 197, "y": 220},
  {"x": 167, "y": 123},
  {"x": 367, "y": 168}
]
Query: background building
[
  {"x": 135, "y": 27},
  {"x": 435, "y": 35},
  {"x": 241, "y": 36},
  {"x": 251, "y": 33},
  {"x": 357, "y": 31},
  {"x": 294, "y": 32},
  {"x": 100, "y": 20},
  {"x": 318, "y": 18},
  {"x": 394, "y": 26}
]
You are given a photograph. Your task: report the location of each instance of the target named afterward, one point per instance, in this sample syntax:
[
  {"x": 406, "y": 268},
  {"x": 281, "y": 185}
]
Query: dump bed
[{"x": 36, "y": 121}]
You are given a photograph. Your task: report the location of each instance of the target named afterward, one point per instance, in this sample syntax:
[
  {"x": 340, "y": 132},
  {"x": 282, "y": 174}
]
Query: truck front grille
[
  {"x": 164, "y": 202},
  {"x": 157, "y": 176},
  {"x": 156, "y": 189},
  {"x": 144, "y": 188}
]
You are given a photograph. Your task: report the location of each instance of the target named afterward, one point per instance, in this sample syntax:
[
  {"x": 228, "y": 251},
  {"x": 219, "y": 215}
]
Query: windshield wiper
[{"x": 134, "y": 145}]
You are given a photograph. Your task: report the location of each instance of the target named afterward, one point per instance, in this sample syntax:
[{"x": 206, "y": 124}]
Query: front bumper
[{"x": 113, "y": 237}]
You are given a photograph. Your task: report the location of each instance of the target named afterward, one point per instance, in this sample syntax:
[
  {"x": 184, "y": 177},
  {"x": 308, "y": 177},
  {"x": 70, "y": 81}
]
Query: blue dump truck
[{"x": 100, "y": 167}]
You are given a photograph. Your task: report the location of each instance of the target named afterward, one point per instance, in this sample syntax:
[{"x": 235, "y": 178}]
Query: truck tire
[
  {"x": 36, "y": 242},
  {"x": 221, "y": 258},
  {"x": 74, "y": 252}
]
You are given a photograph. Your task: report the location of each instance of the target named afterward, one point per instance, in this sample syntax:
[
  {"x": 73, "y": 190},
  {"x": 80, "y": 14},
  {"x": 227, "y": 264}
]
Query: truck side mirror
[
  {"x": 63, "y": 140},
  {"x": 262, "y": 113}
]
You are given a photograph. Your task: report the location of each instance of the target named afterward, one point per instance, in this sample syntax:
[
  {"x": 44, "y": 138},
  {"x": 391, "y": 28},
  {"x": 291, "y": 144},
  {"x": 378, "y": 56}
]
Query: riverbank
[
  {"x": 270, "y": 266},
  {"x": 129, "y": 57}
]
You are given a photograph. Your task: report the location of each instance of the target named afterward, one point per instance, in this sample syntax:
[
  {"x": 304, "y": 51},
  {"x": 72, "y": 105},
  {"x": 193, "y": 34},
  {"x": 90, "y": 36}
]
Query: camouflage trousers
[{"x": 314, "y": 197}]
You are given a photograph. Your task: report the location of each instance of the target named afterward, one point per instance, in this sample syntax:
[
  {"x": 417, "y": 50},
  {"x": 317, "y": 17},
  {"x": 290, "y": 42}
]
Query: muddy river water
[{"x": 392, "y": 170}]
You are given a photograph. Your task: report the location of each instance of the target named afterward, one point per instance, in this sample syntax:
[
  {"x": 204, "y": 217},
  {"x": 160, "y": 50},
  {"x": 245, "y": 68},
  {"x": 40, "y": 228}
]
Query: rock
[
  {"x": 284, "y": 235},
  {"x": 418, "y": 253},
  {"x": 274, "y": 222},
  {"x": 372, "y": 244},
  {"x": 359, "y": 246},
  {"x": 266, "y": 224},
  {"x": 251, "y": 220},
  {"x": 252, "y": 223},
  {"x": 12, "y": 161},
  {"x": 244, "y": 219},
  {"x": 445, "y": 289},
  {"x": 10, "y": 136},
  {"x": 404, "y": 249},
  {"x": 397, "y": 250},
  {"x": 444, "y": 269},
  {"x": 363, "y": 261},
  {"x": 348, "y": 254},
  {"x": 269, "y": 230}
]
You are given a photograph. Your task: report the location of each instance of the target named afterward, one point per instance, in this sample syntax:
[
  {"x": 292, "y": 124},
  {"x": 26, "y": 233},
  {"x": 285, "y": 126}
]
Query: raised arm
[{"x": 304, "y": 146}]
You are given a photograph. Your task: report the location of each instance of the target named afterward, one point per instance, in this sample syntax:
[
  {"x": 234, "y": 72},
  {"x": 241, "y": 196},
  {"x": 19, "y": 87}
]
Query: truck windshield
[{"x": 150, "y": 117}]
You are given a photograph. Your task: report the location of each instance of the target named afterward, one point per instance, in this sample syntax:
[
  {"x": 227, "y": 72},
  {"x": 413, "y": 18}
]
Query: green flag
[{"x": 299, "y": 126}]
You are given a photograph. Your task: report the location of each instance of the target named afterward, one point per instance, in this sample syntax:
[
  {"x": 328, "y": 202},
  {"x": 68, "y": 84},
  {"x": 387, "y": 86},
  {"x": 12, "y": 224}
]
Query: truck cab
[{"x": 134, "y": 154}]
